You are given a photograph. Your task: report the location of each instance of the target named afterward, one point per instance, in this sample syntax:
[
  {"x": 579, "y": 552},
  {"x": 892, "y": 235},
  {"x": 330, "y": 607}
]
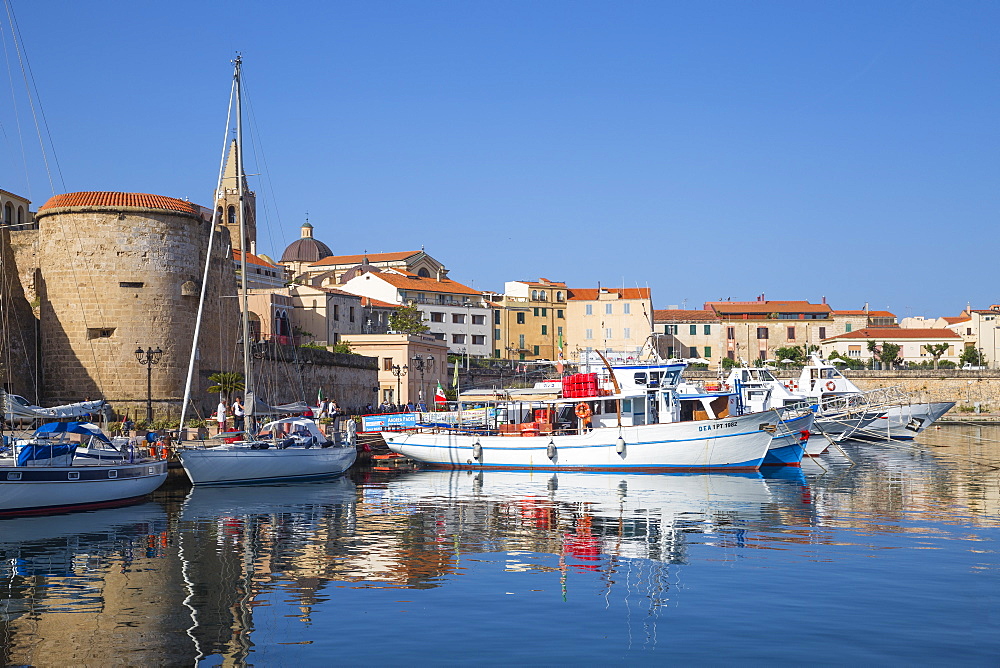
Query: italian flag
[{"x": 439, "y": 396}]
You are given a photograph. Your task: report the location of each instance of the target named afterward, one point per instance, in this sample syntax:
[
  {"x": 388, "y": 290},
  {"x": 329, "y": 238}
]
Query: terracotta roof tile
[
  {"x": 725, "y": 308},
  {"x": 421, "y": 284},
  {"x": 870, "y": 314},
  {"x": 357, "y": 259},
  {"x": 590, "y": 294},
  {"x": 253, "y": 259},
  {"x": 955, "y": 320},
  {"x": 368, "y": 301},
  {"x": 898, "y": 333},
  {"x": 114, "y": 200},
  {"x": 682, "y": 315}
]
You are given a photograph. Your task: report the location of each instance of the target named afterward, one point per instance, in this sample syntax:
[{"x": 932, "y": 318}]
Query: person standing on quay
[
  {"x": 239, "y": 415},
  {"x": 220, "y": 416}
]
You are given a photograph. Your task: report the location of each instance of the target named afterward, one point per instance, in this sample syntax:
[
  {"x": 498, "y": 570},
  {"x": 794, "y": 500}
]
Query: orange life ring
[
  {"x": 583, "y": 411},
  {"x": 830, "y": 385}
]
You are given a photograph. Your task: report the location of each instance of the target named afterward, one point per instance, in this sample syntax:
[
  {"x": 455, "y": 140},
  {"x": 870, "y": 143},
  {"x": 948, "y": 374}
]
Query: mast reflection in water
[{"x": 895, "y": 550}]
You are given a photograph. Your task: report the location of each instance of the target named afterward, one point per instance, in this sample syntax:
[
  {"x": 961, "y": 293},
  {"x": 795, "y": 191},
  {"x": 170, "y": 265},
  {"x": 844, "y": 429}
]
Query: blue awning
[{"x": 85, "y": 428}]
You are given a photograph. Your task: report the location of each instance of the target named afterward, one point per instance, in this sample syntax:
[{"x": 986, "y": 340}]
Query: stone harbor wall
[{"x": 18, "y": 328}]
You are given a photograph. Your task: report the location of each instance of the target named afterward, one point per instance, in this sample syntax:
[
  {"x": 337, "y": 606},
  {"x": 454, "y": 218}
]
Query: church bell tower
[{"x": 227, "y": 203}]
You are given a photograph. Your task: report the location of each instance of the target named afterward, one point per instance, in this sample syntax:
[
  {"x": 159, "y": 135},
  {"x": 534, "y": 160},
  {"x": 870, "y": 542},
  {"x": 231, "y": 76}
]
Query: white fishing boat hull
[
  {"x": 727, "y": 443},
  {"x": 237, "y": 463},
  {"x": 906, "y": 421},
  {"x": 44, "y": 489}
]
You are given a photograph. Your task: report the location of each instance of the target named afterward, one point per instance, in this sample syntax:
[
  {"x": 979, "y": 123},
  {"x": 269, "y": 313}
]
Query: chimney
[
  {"x": 439, "y": 274},
  {"x": 824, "y": 299}
]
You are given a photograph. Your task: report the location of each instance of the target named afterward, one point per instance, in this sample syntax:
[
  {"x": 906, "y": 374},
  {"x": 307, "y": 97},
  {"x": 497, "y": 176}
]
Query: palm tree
[{"x": 226, "y": 382}]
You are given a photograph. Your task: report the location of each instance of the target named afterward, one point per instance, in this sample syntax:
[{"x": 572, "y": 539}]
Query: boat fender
[
  {"x": 804, "y": 435},
  {"x": 477, "y": 451},
  {"x": 551, "y": 450},
  {"x": 620, "y": 446},
  {"x": 830, "y": 385}
]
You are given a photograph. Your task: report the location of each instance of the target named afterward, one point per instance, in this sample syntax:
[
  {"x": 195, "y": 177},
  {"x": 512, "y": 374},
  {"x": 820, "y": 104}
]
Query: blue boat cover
[
  {"x": 40, "y": 451},
  {"x": 85, "y": 428}
]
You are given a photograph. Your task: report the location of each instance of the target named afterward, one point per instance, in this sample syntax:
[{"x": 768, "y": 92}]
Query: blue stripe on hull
[
  {"x": 749, "y": 465},
  {"x": 789, "y": 455}
]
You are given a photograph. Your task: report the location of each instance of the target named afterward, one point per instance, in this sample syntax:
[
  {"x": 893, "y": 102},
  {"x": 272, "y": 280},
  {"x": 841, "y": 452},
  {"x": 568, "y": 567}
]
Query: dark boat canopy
[{"x": 85, "y": 428}]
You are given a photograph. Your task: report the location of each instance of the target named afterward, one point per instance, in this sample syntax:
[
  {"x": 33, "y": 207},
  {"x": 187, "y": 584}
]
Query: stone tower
[
  {"x": 18, "y": 370},
  {"x": 228, "y": 201},
  {"x": 121, "y": 271}
]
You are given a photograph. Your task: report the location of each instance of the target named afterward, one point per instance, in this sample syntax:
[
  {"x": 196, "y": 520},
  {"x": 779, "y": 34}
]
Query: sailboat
[{"x": 287, "y": 449}]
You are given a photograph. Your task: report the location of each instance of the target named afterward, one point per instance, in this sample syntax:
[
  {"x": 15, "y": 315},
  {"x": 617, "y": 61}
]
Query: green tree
[
  {"x": 936, "y": 350},
  {"x": 407, "y": 320},
  {"x": 342, "y": 347},
  {"x": 226, "y": 382},
  {"x": 972, "y": 355},
  {"x": 886, "y": 353},
  {"x": 793, "y": 353}
]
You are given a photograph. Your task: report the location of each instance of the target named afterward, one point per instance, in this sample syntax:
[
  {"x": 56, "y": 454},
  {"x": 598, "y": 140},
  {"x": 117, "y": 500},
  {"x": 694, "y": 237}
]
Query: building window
[
  {"x": 520, "y": 318},
  {"x": 608, "y": 309},
  {"x": 822, "y": 333},
  {"x": 545, "y": 312},
  {"x": 458, "y": 338},
  {"x": 458, "y": 318},
  {"x": 479, "y": 320},
  {"x": 731, "y": 333},
  {"x": 968, "y": 331},
  {"x": 607, "y": 333},
  {"x": 100, "y": 332},
  {"x": 336, "y": 312},
  {"x": 559, "y": 313},
  {"x": 849, "y": 327},
  {"x": 496, "y": 352},
  {"x": 627, "y": 333},
  {"x": 130, "y": 284},
  {"x": 693, "y": 330},
  {"x": 438, "y": 335},
  {"x": 670, "y": 352},
  {"x": 352, "y": 314},
  {"x": 437, "y": 317},
  {"x": 627, "y": 309},
  {"x": 545, "y": 330},
  {"x": 386, "y": 364},
  {"x": 762, "y": 333},
  {"x": 588, "y": 334},
  {"x": 535, "y": 311},
  {"x": 708, "y": 352},
  {"x": 670, "y": 329},
  {"x": 558, "y": 331},
  {"x": 791, "y": 333},
  {"x": 496, "y": 334},
  {"x": 535, "y": 348},
  {"x": 708, "y": 330},
  {"x": 520, "y": 341},
  {"x": 559, "y": 296},
  {"x": 534, "y": 295},
  {"x": 496, "y": 317},
  {"x": 479, "y": 339},
  {"x": 590, "y": 309},
  {"x": 693, "y": 352},
  {"x": 731, "y": 354}
]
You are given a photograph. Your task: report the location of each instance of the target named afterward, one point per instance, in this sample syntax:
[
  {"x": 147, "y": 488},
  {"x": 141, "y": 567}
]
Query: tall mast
[{"x": 244, "y": 306}]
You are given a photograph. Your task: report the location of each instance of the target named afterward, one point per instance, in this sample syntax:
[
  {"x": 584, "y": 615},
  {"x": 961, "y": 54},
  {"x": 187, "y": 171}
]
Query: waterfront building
[
  {"x": 845, "y": 322},
  {"x": 330, "y": 270},
  {"x": 912, "y": 343},
  {"x": 262, "y": 272},
  {"x": 978, "y": 329},
  {"x": 457, "y": 315},
  {"x": 529, "y": 320},
  {"x": 688, "y": 334},
  {"x": 755, "y": 330},
  {"x": 608, "y": 319},
  {"x": 397, "y": 385},
  {"x": 303, "y": 252}
]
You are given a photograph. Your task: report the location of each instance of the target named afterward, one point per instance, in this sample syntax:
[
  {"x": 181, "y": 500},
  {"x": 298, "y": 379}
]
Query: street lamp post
[
  {"x": 148, "y": 357},
  {"x": 399, "y": 372},
  {"x": 421, "y": 363}
]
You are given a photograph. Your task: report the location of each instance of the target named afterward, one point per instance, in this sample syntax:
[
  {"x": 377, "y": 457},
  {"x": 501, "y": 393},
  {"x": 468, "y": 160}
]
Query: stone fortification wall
[
  {"x": 24, "y": 244},
  {"x": 18, "y": 328},
  {"x": 114, "y": 278}
]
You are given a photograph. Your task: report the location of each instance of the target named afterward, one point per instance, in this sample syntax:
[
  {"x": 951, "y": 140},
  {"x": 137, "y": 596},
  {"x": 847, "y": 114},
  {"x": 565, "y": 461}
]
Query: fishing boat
[
  {"x": 42, "y": 474},
  {"x": 900, "y": 418},
  {"x": 641, "y": 424},
  {"x": 287, "y": 449}
]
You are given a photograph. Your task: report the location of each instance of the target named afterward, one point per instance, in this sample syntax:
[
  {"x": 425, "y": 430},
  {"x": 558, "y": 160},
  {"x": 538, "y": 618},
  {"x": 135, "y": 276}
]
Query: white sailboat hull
[
  {"x": 727, "y": 443},
  {"x": 41, "y": 489},
  {"x": 906, "y": 421},
  {"x": 237, "y": 463}
]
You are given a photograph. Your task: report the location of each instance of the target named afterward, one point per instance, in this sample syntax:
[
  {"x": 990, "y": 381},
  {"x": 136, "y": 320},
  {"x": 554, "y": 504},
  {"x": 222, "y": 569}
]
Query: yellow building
[
  {"x": 529, "y": 319},
  {"x": 616, "y": 320}
]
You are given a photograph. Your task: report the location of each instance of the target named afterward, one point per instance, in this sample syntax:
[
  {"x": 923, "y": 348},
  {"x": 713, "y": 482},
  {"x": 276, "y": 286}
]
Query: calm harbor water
[{"x": 886, "y": 554}]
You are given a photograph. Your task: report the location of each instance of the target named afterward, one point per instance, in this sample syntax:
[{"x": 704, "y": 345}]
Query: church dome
[{"x": 306, "y": 249}]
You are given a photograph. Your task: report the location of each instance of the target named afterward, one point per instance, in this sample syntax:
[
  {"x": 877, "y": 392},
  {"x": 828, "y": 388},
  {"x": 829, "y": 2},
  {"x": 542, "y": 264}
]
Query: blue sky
[{"x": 705, "y": 149}]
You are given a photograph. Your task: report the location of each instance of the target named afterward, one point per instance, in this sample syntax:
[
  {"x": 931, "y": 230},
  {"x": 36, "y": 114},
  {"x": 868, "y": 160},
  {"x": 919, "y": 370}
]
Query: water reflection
[{"x": 242, "y": 575}]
